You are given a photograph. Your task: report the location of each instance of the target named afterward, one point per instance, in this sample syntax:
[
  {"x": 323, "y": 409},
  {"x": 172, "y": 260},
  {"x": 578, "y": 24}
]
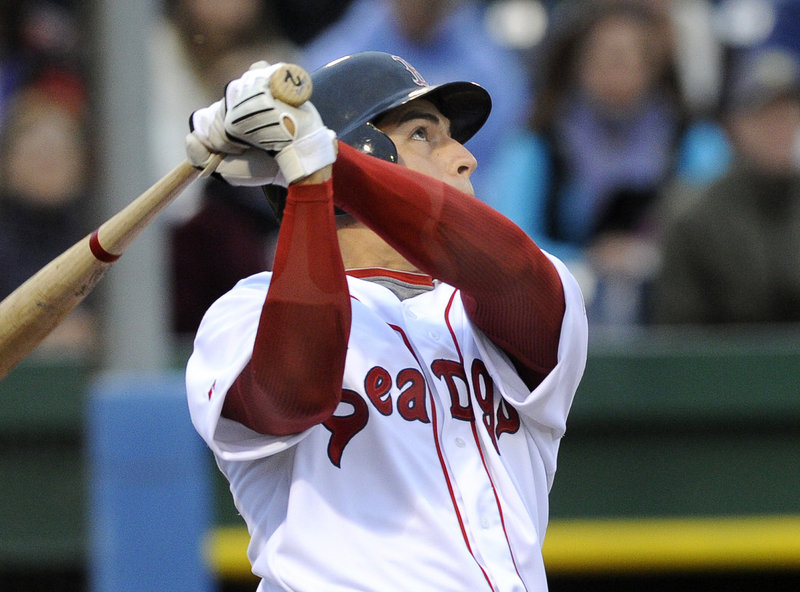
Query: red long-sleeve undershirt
[
  {"x": 294, "y": 377},
  {"x": 511, "y": 291}
]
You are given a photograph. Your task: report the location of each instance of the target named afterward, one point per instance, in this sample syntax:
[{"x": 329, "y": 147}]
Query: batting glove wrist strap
[{"x": 308, "y": 154}]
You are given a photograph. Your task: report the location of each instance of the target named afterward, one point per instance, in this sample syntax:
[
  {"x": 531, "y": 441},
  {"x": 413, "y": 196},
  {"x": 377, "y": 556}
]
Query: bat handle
[{"x": 211, "y": 165}]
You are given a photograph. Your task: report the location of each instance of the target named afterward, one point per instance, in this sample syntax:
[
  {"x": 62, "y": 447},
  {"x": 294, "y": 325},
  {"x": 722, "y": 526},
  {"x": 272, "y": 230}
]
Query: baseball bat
[{"x": 35, "y": 308}]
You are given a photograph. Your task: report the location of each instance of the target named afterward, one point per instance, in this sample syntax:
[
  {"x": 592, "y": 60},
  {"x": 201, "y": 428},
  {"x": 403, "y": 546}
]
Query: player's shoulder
[
  {"x": 258, "y": 281},
  {"x": 251, "y": 288},
  {"x": 236, "y": 308}
]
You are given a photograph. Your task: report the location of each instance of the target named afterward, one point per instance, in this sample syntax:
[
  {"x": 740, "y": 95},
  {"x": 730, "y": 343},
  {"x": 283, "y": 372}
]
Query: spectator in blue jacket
[{"x": 608, "y": 133}]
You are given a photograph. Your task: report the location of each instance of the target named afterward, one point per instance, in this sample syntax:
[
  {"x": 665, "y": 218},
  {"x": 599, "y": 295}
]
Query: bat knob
[{"x": 291, "y": 84}]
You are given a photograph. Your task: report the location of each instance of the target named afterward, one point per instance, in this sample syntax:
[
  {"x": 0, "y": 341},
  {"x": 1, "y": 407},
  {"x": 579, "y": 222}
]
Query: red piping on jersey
[
  {"x": 409, "y": 277},
  {"x": 434, "y": 425},
  {"x": 478, "y": 443}
]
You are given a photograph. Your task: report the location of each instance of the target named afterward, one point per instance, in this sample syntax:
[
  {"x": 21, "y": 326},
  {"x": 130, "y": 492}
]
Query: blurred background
[{"x": 653, "y": 145}]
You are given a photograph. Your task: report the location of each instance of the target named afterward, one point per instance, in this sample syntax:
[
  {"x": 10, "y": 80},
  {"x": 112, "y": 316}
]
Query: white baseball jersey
[{"x": 434, "y": 471}]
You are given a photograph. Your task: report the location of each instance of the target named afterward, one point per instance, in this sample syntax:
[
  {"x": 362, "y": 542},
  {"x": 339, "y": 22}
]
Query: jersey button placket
[{"x": 493, "y": 543}]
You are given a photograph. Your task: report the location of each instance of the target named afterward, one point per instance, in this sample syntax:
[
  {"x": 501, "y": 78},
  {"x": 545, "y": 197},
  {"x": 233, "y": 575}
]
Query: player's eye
[{"x": 419, "y": 133}]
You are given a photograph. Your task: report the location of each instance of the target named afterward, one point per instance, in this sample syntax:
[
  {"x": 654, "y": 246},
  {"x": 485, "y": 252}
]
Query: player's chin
[{"x": 463, "y": 185}]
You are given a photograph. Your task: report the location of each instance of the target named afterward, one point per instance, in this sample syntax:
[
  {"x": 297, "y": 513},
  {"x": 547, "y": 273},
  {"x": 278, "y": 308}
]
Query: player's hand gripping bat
[{"x": 34, "y": 309}]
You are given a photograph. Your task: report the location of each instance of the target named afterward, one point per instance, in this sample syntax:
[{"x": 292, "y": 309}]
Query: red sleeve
[
  {"x": 511, "y": 290},
  {"x": 294, "y": 378}
]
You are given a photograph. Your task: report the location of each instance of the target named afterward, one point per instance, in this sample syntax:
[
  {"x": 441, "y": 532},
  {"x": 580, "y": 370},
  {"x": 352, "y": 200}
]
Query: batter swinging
[{"x": 388, "y": 402}]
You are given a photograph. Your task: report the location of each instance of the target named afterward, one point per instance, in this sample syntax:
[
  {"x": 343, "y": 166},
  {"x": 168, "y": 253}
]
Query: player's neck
[{"x": 362, "y": 248}]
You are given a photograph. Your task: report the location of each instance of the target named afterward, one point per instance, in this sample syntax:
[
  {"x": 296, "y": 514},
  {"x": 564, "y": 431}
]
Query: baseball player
[{"x": 388, "y": 402}]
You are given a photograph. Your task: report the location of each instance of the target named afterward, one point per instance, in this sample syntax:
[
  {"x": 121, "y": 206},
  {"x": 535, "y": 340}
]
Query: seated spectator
[
  {"x": 609, "y": 131},
  {"x": 34, "y": 34},
  {"x": 45, "y": 189},
  {"x": 730, "y": 257}
]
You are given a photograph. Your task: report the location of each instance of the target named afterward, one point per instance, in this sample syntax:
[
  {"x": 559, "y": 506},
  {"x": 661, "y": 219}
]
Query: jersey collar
[{"x": 408, "y": 277}]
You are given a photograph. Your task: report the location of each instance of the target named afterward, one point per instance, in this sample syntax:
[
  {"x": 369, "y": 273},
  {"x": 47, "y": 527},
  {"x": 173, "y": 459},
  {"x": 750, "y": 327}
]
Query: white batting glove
[
  {"x": 208, "y": 136},
  {"x": 305, "y": 145},
  {"x": 242, "y": 165},
  {"x": 255, "y": 117},
  {"x": 246, "y": 98}
]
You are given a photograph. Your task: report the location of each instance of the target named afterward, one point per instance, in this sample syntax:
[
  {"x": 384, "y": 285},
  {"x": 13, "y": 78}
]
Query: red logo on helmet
[{"x": 418, "y": 79}]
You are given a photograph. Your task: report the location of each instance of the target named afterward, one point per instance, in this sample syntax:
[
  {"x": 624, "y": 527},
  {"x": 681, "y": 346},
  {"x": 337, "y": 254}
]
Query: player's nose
[{"x": 463, "y": 161}]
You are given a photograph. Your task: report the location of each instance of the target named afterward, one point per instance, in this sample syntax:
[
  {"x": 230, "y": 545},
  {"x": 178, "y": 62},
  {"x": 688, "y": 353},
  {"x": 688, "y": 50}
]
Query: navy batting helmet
[{"x": 351, "y": 92}]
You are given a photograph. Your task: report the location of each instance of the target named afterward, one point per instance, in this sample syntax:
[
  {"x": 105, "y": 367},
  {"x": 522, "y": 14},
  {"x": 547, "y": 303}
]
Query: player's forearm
[
  {"x": 512, "y": 290},
  {"x": 294, "y": 378}
]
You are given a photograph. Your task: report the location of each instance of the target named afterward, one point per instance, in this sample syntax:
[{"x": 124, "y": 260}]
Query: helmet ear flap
[{"x": 370, "y": 140}]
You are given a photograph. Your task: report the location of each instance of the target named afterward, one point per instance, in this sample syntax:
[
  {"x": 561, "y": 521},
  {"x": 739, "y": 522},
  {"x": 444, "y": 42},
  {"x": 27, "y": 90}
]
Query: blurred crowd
[
  {"x": 653, "y": 145},
  {"x": 46, "y": 168}
]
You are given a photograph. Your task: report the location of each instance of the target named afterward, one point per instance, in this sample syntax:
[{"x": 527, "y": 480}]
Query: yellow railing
[{"x": 616, "y": 545}]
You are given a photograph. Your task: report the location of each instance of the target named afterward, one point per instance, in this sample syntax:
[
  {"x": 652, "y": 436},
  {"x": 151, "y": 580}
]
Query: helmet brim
[{"x": 466, "y": 104}]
